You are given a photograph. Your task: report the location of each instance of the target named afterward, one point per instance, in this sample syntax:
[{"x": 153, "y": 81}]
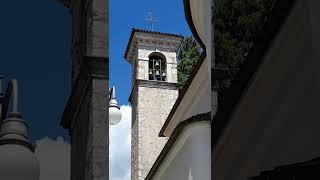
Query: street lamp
[
  {"x": 17, "y": 159},
  {"x": 114, "y": 110}
]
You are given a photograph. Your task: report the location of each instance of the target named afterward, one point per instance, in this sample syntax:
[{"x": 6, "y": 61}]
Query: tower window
[{"x": 157, "y": 67}]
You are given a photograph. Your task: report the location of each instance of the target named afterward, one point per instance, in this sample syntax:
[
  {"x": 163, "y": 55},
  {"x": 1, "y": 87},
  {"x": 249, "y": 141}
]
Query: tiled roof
[{"x": 134, "y": 30}]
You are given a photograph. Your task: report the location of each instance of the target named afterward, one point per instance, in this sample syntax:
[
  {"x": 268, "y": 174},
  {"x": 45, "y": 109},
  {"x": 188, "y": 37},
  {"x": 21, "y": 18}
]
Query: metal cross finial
[{"x": 151, "y": 20}]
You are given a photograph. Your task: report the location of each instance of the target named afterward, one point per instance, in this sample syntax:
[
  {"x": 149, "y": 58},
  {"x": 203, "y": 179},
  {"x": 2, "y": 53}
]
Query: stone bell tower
[{"x": 154, "y": 92}]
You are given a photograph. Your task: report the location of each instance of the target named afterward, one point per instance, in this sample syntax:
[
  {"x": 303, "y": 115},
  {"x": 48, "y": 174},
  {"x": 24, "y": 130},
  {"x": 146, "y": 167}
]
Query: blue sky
[
  {"x": 128, "y": 14},
  {"x": 35, "y": 48}
]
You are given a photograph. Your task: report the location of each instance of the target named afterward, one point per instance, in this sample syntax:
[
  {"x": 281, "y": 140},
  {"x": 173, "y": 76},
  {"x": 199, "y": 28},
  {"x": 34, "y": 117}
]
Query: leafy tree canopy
[
  {"x": 236, "y": 23},
  {"x": 188, "y": 55}
]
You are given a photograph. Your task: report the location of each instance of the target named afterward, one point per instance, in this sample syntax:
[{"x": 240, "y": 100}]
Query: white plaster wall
[
  {"x": 190, "y": 157},
  {"x": 202, "y": 14},
  {"x": 197, "y": 99}
]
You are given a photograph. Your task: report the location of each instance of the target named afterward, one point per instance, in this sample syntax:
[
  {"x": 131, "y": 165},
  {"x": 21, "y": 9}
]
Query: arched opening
[{"x": 157, "y": 67}]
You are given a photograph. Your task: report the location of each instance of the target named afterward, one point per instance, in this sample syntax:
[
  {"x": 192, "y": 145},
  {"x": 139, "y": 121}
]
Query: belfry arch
[{"x": 157, "y": 68}]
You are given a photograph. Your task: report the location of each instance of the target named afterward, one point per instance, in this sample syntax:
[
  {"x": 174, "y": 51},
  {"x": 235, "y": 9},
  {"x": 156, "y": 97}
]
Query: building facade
[
  {"x": 154, "y": 91},
  {"x": 86, "y": 114}
]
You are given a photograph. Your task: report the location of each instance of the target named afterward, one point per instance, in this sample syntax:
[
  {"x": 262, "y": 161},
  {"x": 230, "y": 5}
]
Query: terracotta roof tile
[{"x": 134, "y": 30}]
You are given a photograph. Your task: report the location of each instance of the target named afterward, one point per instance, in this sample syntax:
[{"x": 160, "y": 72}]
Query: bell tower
[{"x": 152, "y": 56}]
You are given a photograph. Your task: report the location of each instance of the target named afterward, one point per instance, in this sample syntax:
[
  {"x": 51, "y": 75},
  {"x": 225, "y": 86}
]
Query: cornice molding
[
  {"x": 152, "y": 39},
  {"x": 90, "y": 68},
  {"x": 152, "y": 84}
]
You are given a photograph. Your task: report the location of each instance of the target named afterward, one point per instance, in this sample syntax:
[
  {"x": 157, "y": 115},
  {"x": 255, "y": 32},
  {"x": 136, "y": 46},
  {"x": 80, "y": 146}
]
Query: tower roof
[{"x": 161, "y": 36}]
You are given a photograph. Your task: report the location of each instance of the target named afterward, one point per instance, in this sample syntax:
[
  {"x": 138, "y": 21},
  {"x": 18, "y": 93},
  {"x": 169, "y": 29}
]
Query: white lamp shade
[
  {"x": 114, "y": 115},
  {"x": 18, "y": 162}
]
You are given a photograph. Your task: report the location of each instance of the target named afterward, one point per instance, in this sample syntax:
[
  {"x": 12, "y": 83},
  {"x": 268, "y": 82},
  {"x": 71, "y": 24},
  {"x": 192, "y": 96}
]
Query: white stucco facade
[
  {"x": 189, "y": 158},
  {"x": 197, "y": 100}
]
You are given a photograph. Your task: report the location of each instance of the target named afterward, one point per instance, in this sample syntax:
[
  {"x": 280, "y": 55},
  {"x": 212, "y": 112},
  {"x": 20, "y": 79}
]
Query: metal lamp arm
[
  {"x": 12, "y": 91},
  {"x": 112, "y": 93}
]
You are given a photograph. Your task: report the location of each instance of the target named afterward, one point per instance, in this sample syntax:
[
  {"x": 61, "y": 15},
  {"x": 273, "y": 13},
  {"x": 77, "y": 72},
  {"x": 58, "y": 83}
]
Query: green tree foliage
[
  {"x": 236, "y": 23},
  {"x": 188, "y": 55}
]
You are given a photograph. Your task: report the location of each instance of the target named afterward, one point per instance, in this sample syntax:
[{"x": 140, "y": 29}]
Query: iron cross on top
[{"x": 152, "y": 20}]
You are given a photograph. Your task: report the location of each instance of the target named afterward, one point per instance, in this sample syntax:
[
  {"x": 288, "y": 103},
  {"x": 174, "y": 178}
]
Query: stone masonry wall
[
  {"x": 151, "y": 100},
  {"x": 98, "y": 150},
  {"x": 97, "y": 29},
  {"x": 154, "y": 105},
  {"x": 90, "y": 133},
  {"x": 80, "y": 142},
  {"x": 135, "y": 151},
  {"x": 97, "y": 46},
  {"x": 143, "y": 64}
]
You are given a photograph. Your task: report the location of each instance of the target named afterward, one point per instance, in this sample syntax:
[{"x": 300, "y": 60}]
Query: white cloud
[
  {"x": 54, "y": 158},
  {"x": 54, "y": 155},
  {"x": 120, "y": 147}
]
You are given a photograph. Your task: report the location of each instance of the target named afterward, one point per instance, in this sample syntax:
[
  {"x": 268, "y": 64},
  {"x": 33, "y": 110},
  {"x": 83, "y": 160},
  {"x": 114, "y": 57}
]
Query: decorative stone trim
[
  {"x": 155, "y": 84},
  {"x": 152, "y": 39}
]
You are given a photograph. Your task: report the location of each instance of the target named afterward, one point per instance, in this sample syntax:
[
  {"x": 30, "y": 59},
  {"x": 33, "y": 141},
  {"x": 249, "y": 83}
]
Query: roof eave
[
  {"x": 182, "y": 93},
  {"x": 135, "y": 30},
  {"x": 189, "y": 19}
]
